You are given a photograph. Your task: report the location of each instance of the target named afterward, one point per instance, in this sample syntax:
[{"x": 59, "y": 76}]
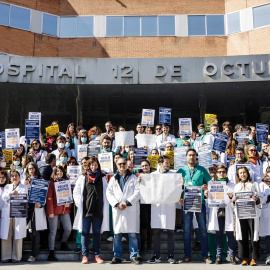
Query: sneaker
[
  {"x": 267, "y": 261},
  {"x": 253, "y": 262},
  {"x": 207, "y": 260},
  {"x": 115, "y": 260},
  {"x": 233, "y": 261},
  {"x": 110, "y": 239},
  {"x": 245, "y": 261},
  {"x": 140, "y": 259},
  {"x": 135, "y": 261},
  {"x": 185, "y": 260},
  {"x": 124, "y": 239},
  {"x": 171, "y": 260},
  {"x": 155, "y": 259},
  {"x": 219, "y": 260},
  {"x": 78, "y": 250},
  {"x": 31, "y": 259},
  {"x": 85, "y": 260},
  {"x": 98, "y": 260}
]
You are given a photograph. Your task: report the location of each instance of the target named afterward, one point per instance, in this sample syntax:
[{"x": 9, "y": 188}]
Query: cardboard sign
[
  {"x": 52, "y": 131},
  {"x": 18, "y": 206},
  {"x": 216, "y": 194},
  {"x": 153, "y": 162},
  {"x": 209, "y": 119},
  {"x": 205, "y": 156},
  {"x": 38, "y": 191},
  {"x": 193, "y": 199},
  {"x": 63, "y": 192},
  {"x": 148, "y": 117},
  {"x": 106, "y": 162},
  {"x": 165, "y": 115},
  {"x": 185, "y": 126},
  {"x": 12, "y": 139}
]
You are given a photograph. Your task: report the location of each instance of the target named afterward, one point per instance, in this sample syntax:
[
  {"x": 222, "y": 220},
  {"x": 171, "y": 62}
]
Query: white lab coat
[
  {"x": 2, "y": 203},
  {"x": 209, "y": 139},
  {"x": 128, "y": 220},
  {"x": 266, "y": 164},
  {"x": 78, "y": 199},
  {"x": 264, "y": 228},
  {"x": 57, "y": 153},
  {"x": 213, "y": 219},
  {"x": 163, "y": 215},
  {"x": 162, "y": 142},
  {"x": 249, "y": 186},
  {"x": 20, "y": 223}
]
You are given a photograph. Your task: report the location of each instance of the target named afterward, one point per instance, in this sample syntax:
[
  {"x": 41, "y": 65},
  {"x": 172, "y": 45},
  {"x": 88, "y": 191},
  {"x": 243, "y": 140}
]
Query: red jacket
[{"x": 51, "y": 203}]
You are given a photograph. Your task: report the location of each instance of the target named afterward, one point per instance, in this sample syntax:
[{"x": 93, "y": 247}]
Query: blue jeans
[
  {"x": 267, "y": 244},
  {"x": 201, "y": 219},
  {"x": 133, "y": 245},
  {"x": 219, "y": 238},
  {"x": 96, "y": 226}
]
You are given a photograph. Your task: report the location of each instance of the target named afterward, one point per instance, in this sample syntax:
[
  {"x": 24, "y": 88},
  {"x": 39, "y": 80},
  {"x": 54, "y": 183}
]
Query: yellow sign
[
  {"x": 170, "y": 155},
  {"x": 153, "y": 162},
  {"x": 8, "y": 157},
  {"x": 52, "y": 131},
  {"x": 208, "y": 120}
]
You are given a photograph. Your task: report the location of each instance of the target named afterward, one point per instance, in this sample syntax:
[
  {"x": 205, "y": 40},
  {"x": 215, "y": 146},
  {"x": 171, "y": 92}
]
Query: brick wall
[{"x": 234, "y": 5}]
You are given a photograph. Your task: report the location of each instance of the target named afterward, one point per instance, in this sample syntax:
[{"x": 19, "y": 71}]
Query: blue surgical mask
[
  {"x": 94, "y": 136},
  {"x": 164, "y": 170},
  {"x": 107, "y": 149},
  {"x": 84, "y": 140},
  {"x": 16, "y": 163},
  {"x": 63, "y": 159},
  {"x": 35, "y": 160},
  {"x": 127, "y": 150},
  {"x": 201, "y": 131},
  {"x": 67, "y": 145}
]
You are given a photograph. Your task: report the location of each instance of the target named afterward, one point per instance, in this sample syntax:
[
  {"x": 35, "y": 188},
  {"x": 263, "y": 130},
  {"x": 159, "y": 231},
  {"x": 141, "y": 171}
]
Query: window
[
  {"x": 149, "y": 26},
  {"x": 233, "y": 22},
  {"x": 261, "y": 16},
  {"x": 20, "y": 17},
  {"x": 4, "y": 14},
  {"x": 166, "y": 25},
  {"x": 49, "y": 24},
  {"x": 114, "y": 26},
  {"x": 215, "y": 25},
  {"x": 85, "y": 26},
  {"x": 68, "y": 27},
  {"x": 196, "y": 25},
  {"x": 132, "y": 26}
]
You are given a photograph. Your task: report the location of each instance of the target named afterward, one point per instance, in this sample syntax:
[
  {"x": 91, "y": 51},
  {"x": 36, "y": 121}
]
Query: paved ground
[{"x": 123, "y": 266}]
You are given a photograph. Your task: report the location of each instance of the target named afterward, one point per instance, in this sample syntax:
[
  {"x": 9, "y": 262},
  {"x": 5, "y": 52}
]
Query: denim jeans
[
  {"x": 201, "y": 219},
  {"x": 219, "y": 238},
  {"x": 133, "y": 245},
  {"x": 96, "y": 226},
  {"x": 267, "y": 244}
]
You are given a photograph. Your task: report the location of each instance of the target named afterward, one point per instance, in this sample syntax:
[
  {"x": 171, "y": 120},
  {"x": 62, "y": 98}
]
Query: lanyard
[{"x": 191, "y": 173}]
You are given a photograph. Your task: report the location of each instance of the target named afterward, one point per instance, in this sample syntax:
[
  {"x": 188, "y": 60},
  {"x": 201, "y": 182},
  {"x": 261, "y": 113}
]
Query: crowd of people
[{"x": 111, "y": 203}]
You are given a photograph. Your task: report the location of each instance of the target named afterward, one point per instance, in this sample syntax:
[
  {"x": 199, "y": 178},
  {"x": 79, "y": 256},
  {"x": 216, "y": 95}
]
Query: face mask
[
  {"x": 107, "y": 149},
  {"x": 67, "y": 145},
  {"x": 16, "y": 163},
  {"x": 94, "y": 136},
  {"x": 201, "y": 131},
  {"x": 61, "y": 145},
  {"x": 127, "y": 150},
  {"x": 3, "y": 164},
  {"x": 35, "y": 160},
  {"x": 63, "y": 159},
  {"x": 84, "y": 140},
  {"x": 164, "y": 170}
]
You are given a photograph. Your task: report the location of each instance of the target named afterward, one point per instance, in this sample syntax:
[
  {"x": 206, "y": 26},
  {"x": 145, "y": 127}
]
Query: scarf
[
  {"x": 223, "y": 179},
  {"x": 253, "y": 159},
  {"x": 37, "y": 154},
  {"x": 92, "y": 176}
]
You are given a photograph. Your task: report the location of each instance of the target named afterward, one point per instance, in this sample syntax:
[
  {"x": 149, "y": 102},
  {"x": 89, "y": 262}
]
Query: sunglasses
[
  {"x": 252, "y": 150},
  {"x": 72, "y": 162},
  {"x": 158, "y": 128},
  {"x": 221, "y": 172},
  {"x": 35, "y": 143},
  {"x": 123, "y": 164}
]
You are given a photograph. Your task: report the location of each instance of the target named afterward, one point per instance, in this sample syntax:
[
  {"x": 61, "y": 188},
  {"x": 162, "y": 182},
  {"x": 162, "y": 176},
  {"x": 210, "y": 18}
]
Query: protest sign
[
  {"x": 73, "y": 173},
  {"x": 205, "y": 156},
  {"x": 153, "y": 162},
  {"x": 245, "y": 205},
  {"x": 63, "y": 192},
  {"x": 220, "y": 142},
  {"x": 3, "y": 139},
  {"x": 165, "y": 115},
  {"x": 38, "y": 191},
  {"x": 124, "y": 138},
  {"x": 93, "y": 148},
  {"x": 81, "y": 151},
  {"x": 18, "y": 206},
  {"x": 35, "y": 116},
  {"x": 32, "y": 129},
  {"x": 262, "y": 133},
  {"x": 209, "y": 119},
  {"x": 180, "y": 159},
  {"x": 163, "y": 188},
  {"x": 106, "y": 162},
  {"x": 148, "y": 117},
  {"x": 193, "y": 199},
  {"x": 216, "y": 194},
  {"x": 139, "y": 154},
  {"x": 148, "y": 140},
  {"x": 12, "y": 139},
  {"x": 8, "y": 157},
  {"x": 170, "y": 155},
  {"x": 52, "y": 131},
  {"x": 241, "y": 137},
  {"x": 185, "y": 126},
  {"x": 229, "y": 160}
]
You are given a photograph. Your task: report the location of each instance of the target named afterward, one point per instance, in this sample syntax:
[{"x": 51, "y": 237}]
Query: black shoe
[
  {"x": 115, "y": 260},
  {"x": 135, "y": 261},
  {"x": 78, "y": 250},
  {"x": 140, "y": 259},
  {"x": 51, "y": 257},
  {"x": 219, "y": 260},
  {"x": 64, "y": 246},
  {"x": 233, "y": 261},
  {"x": 155, "y": 259},
  {"x": 171, "y": 259}
]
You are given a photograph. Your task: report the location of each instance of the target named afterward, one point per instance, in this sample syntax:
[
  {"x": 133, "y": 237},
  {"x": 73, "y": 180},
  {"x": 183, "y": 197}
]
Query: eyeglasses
[
  {"x": 72, "y": 162},
  {"x": 31, "y": 168},
  {"x": 252, "y": 150},
  {"x": 122, "y": 164},
  {"x": 158, "y": 128},
  {"x": 221, "y": 171}
]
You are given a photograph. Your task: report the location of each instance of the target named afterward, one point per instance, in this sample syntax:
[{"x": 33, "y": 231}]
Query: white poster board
[
  {"x": 148, "y": 140},
  {"x": 63, "y": 192},
  {"x": 148, "y": 117},
  {"x": 124, "y": 138},
  {"x": 12, "y": 137},
  {"x": 106, "y": 162},
  {"x": 185, "y": 126}
]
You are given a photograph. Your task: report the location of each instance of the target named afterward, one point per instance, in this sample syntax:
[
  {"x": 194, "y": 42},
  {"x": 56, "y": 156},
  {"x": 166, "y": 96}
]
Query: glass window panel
[
  {"x": 49, "y": 24},
  {"x": 4, "y": 14},
  {"x": 149, "y": 26},
  {"x": 132, "y": 26},
  {"x": 261, "y": 16},
  {"x": 20, "y": 18},
  {"x": 114, "y": 26},
  {"x": 68, "y": 27},
  {"x": 166, "y": 25},
  {"x": 233, "y": 22},
  {"x": 215, "y": 25},
  {"x": 196, "y": 25},
  {"x": 85, "y": 26}
]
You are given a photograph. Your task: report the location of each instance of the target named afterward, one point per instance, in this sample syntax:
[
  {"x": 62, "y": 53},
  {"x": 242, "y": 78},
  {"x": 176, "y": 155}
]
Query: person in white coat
[
  {"x": 123, "y": 195},
  {"x": 38, "y": 152},
  {"x": 247, "y": 228},
  {"x": 254, "y": 158},
  {"x": 93, "y": 210},
  {"x": 163, "y": 217},
  {"x": 165, "y": 137},
  {"x": 61, "y": 141},
  {"x": 264, "y": 231},
  {"x": 220, "y": 219},
  {"x": 13, "y": 230}
]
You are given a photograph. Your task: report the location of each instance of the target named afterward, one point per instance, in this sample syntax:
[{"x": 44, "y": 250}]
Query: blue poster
[
  {"x": 3, "y": 139},
  {"x": 32, "y": 129},
  {"x": 230, "y": 159},
  {"x": 262, "y": 133},
  {"x": 38, "y": 191},
  {"x": 220, "y": 142},
  {"x": 205, "y": 156},
  {"x": 165, "y": 115}
]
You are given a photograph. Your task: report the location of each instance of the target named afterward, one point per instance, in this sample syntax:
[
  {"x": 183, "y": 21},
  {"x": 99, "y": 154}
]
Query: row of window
[{"x": 82, "y": 26}]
